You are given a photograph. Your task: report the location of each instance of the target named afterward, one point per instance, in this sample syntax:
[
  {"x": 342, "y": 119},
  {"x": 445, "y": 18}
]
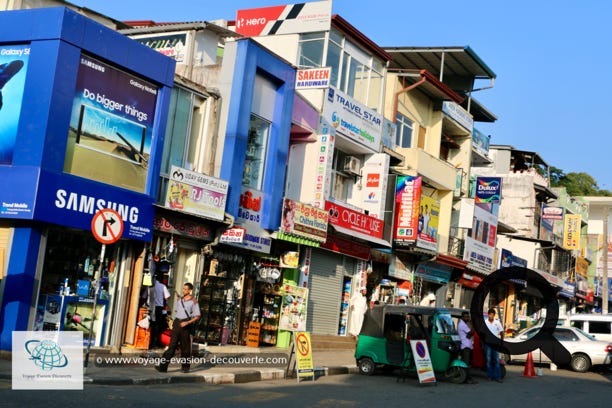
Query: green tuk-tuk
[{"x": 385, "y": 337}]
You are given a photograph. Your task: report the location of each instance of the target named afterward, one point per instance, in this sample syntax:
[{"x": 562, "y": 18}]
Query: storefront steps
[{"x": 329, "y": 342}]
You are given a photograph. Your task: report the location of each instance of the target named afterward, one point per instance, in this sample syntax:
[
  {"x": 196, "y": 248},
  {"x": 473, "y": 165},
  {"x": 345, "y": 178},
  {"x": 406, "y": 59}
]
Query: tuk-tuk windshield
[{"x": 445, "y": 324}]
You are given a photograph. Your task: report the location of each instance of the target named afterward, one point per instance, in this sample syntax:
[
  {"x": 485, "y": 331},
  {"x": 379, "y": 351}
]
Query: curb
[{"x": 220, "y": 378}]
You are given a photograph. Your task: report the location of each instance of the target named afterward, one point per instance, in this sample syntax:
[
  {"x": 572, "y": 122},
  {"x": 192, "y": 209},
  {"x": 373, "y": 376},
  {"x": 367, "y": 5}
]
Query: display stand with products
[
  {"x": 212, "y": 308},
  {"x": 344, "y": 306},
  {"x": 270, "y": 314},
  {"x": 72, "y": 313}
]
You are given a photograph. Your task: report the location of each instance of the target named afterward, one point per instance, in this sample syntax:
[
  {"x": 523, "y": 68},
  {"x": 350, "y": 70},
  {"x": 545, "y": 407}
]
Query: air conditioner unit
[{"x": 352, "y": 165}]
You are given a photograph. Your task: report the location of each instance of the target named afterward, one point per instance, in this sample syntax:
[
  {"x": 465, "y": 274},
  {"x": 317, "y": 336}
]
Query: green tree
[{"x": 577, "y": 184}]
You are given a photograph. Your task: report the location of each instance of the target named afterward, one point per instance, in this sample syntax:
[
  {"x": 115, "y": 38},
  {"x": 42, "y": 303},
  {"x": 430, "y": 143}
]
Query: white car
[{"x": 586, "y": 351}]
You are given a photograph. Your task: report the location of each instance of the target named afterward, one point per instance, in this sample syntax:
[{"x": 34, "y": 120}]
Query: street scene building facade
[{"x": 279, "y": 172}]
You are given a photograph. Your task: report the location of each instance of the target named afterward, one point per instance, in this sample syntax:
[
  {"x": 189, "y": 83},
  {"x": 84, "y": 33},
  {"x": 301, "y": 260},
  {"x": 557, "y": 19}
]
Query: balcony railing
[{"x": 456, "y": 247}]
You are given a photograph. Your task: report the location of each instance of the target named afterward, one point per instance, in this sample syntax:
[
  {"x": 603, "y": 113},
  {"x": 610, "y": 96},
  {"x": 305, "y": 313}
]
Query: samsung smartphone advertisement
[{"x": 111, "y": 126}]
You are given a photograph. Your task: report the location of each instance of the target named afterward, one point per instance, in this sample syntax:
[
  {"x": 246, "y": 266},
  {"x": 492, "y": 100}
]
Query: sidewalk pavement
[{"x": 141, "y": 372}]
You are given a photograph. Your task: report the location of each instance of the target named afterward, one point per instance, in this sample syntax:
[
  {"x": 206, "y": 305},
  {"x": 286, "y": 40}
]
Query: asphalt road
[{"x": 560, "y": 388}]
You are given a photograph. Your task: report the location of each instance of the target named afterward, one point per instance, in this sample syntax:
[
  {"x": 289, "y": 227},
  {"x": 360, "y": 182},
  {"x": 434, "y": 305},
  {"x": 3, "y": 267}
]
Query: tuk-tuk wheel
[
  {"x": 456, "y": 375},
  {"x": 366, "y": 366}
]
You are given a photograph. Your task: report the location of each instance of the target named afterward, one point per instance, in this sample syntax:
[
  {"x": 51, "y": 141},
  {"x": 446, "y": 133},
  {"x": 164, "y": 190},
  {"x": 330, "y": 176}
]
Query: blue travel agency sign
[{"x": 70, "y": 201}]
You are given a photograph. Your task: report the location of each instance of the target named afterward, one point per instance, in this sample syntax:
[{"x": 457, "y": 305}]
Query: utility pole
[{"x": 604, "y": 277}]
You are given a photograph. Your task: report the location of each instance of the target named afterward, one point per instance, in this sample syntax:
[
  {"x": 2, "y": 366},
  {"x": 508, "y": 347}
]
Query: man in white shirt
[
  {"x": 492, "y": 356},
  {"x": 466, "y": 334},
  {"x": 359, "y": 306}
]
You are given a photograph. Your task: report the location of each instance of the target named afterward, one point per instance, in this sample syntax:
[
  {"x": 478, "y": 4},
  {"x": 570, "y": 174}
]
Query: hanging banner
[
  {"x": 422, "y": 361},
  {"x": 571, "y": 231}
]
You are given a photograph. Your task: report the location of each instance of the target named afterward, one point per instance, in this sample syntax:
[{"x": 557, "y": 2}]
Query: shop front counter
[{"x": 73, "y": 313}]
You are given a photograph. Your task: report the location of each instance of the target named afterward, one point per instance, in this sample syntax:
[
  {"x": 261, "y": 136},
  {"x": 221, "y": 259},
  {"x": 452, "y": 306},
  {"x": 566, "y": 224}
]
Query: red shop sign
[
  {"x": 346, "y": 247},
  {"x": 353, "y": 220}
]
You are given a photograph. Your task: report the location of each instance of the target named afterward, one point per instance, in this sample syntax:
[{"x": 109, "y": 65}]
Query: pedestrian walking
[{"x": 187, "y": 313}]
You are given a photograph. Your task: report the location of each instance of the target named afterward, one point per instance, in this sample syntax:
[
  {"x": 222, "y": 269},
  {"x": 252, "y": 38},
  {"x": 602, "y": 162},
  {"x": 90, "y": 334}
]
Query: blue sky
[{"x": 552, "y": 61}]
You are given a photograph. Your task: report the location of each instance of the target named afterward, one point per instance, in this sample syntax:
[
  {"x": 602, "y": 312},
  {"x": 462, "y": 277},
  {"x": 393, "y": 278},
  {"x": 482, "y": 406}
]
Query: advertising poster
[
  {"x": 294, "y": 306},
  {"x": 571, "y": 231},
  {"x": 407, "y": 197},
  {"x": 488, "y": 190},
  {"x": 287, "y": 19},
  {"x": 110, "y": 133},
  {"x": 171, "y": 45},
  {"x": 13, "y": 68},
  {"x": 427, "y": 227},
  {"x": 196, "y": 193},
  {"x": 249, "y": 217}
]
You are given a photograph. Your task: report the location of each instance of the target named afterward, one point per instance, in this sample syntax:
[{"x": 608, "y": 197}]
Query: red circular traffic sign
[{"x": 107, "y": 226}]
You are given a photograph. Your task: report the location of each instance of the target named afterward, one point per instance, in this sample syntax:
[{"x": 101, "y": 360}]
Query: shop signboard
[
  {"x": 480, "y": 142},
  {"x": 354, "y": 221},
  {"x": 582, "y": 270},
  {"x": 352, "y": 119},
  {"x": 313, "y": 78},
  {"x": 469, "y": 280},
  {"x": 422, "y": 361},
  {"x": 183, "y": 227},
  {"x": 171, "y": 45},
  {"x": 249, "y": 217},
  {"x": 458, "y": 114},
  {"x": 480, "y": 244},
  {"x": 325, "y": 157},
  {"x": 111, "y": 126},
  {"x": 73, "y": 201},
  {"x": 294, "y": 308},
  {"x": 235, "y": 234},
  {"x": 304, "y": 220},
  {"x": 285, "y": 19},
  {"x": 13, "y": 68},
  {"x": 571, "y": 231},
  {"x": 196, "y": 193},
  {"x": 488, "y": 190},
  {"x": 374, "y": 173},
  {"x": 399, "y": 270},
  {"x": 407, "y": 197},
  {"x": 344, "y": 246},
  {"x": 550, "y": 212},
  {"x": 433, "y": 272}
]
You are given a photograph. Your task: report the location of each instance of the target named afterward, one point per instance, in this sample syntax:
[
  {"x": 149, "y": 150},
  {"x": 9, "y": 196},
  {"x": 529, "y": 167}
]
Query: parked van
[{"x": 597, "y": 325}]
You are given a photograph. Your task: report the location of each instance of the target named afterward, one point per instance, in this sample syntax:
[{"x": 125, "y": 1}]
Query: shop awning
[
  {"x": 295, "y": 239},
  {"x": 361, "y": 236},
  {"x": 451, "y": 261}
]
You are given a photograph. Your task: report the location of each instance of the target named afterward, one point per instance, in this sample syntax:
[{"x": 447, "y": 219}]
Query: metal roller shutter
[{"x": 325, "y": 291}]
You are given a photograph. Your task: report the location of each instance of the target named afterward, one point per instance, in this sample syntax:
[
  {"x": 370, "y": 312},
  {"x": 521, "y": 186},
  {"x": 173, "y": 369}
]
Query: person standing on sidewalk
[
  {"x": 466, "y": 334},
  {"x": 157, "y": 300},
  {"x": 359, "y": 306},
  {"x": 492, "y": 356},
  {"x": 187, "y": 313}
]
